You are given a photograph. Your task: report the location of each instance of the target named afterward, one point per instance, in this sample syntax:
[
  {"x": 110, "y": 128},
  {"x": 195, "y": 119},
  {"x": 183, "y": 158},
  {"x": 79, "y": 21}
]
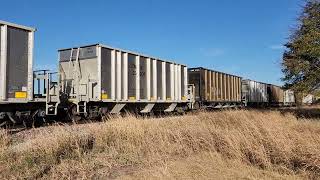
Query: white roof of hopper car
[
  {"x": 127, "y": 51},
  {"x": 17, "y": 26}
]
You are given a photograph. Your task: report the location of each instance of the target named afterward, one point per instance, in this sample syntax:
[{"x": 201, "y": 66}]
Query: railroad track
[{"x": 16, "y": 128}]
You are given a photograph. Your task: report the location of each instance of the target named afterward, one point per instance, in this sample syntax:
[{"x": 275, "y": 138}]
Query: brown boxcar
[
  {"x": 276, "y": 95},
  {"x": 215, "y": 89}
]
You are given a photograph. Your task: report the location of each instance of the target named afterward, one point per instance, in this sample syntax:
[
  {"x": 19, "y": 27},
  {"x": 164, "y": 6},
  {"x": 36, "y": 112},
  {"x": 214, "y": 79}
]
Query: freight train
[{"x": 96, "y": 80}]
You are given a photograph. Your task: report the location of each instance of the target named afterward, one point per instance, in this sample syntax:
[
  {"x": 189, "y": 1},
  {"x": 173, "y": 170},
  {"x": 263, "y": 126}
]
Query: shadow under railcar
[{"x": 307, "y": 112}]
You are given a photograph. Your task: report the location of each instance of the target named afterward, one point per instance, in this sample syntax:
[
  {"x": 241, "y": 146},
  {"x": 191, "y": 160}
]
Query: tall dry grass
[{"x": 224, "y": 145}]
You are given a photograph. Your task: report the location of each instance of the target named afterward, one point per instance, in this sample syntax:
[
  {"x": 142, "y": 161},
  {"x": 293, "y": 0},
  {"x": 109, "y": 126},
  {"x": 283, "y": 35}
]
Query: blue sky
[{"x": 239, "y": 37}]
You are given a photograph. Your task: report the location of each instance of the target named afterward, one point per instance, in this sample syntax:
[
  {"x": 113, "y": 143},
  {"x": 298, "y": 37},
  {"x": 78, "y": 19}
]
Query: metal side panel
[
  {"x": 17, "y": 62},
  {"x": 234, "y": 88},
  {"x": 98, "y": 91},
  {"x": 137, "y": 75},
  {"x": 172, "y": 81},
  {"x": 204, "y": 82},
  {"x": 154, "y": 78},
  {"x": 220, "y": 77},
  {"x": 164, "y": 81},
  {"x": 180, "y": 94},
  {"x": 106, "y": 90},
  {"x": 30, "y": 64},
  {"x": 175, "y": 82},
  {"x": 229, "y": 80},
  {"x": 227, "y": 88},
  {"x": 168, "y": 79},
  {"x": 213, "y": 86},
  {"x": 231, "y": 88},
  {"x": 184, "y": 77},
  {"x": 3, "y": 62},
  {"x": 125, "y": 76},
  {"x": 118, "y": 75},
  {"x": 239, "y": 89},
  {"x": 178, "y": 82},
  {"x": 113, "y": 75},
  {"x": 148, "y": 79},
  {"x": 224, "y": 87},
  {"x": 132, "y": 77},
  {"x": 209, "y": 85},
  {"x": 217, "y": 85},
  {"x": 194, "y": 78},
  {"x": 159, "y": 77},
  {"x": 89, "y": 72},
  {"x": 143, "y": 78}
]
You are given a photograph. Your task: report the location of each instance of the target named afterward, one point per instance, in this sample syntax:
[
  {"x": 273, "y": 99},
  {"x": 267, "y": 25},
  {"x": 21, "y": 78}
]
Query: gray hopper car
[
  {"x": 97, "y": 76},
  {"x": 17, "y": 99},
  {"x": 16, "y": 73},
  {"x": 289, "y": 98},
  {"x": 215, "y": 89},
  {"x": 255, "y": 93}
]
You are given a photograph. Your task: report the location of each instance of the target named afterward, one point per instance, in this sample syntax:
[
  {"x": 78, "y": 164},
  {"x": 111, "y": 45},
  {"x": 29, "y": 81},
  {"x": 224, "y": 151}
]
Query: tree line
[{"x": 301, "y": 59}]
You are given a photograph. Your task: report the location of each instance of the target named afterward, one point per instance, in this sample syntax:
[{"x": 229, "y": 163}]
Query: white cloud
[
  {"x": 277, "y": 47},
  {"x": 212, "y": 52}
]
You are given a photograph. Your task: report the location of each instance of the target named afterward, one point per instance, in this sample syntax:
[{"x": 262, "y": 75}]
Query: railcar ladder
[
  {"x": 52, "y": 95},
  {"x": 191, "y": 95},
  {"x": 69, "y": 74},
  {"x": 80, "y": 100},
  {"x": 49, "y": 93}
]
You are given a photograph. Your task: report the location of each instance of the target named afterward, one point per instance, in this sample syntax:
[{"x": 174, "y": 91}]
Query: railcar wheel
[
  {"x": 104, "y": 114},
  {"x": 28, "y": 122},
  {"x": 72, "y": 114},
  {"x": 181, "y": 111},
  {"x": 197, "y": 106},
  {"x": 94, "y": 113}
]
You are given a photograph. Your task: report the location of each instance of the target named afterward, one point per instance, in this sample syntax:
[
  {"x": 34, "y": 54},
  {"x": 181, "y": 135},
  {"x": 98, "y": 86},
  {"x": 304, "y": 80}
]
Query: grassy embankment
[{"x": 228, "y": 144}]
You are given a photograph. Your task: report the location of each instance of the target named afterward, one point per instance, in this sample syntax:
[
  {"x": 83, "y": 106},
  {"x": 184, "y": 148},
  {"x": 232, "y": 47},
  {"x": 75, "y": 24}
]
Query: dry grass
[{"x": 209, "y": 145}]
